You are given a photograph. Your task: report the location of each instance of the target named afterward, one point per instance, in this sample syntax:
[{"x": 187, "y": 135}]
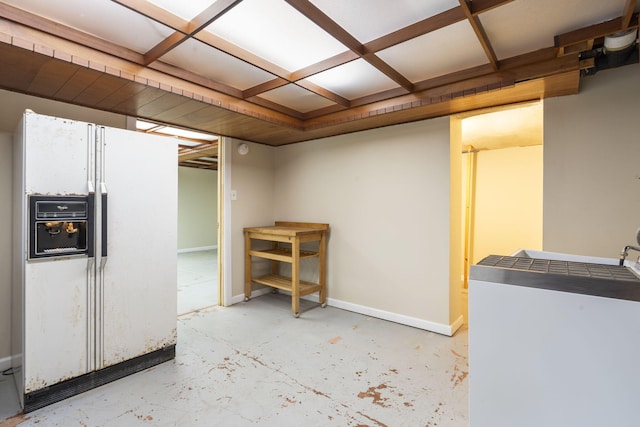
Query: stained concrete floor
[
  {"x": 255, "y": 364},
  {"x": 197, "y": 280}
]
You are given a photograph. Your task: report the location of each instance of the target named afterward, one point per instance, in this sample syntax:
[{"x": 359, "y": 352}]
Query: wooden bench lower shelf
[{"x": 284, "y": 283}]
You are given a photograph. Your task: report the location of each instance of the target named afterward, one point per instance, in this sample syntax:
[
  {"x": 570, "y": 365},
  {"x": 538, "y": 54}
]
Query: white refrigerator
[{"x": 95, "y": 256}]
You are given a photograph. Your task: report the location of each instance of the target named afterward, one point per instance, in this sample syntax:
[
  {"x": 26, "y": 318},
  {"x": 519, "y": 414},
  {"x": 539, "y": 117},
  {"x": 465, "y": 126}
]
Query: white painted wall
[
  {"x": 197, "y": 208},
  {"x": 385, "y": 194},
  {"x": 252, "y": 178},
  {"x": 507, "y": 213},
  {"x": 592, "y": 165}
]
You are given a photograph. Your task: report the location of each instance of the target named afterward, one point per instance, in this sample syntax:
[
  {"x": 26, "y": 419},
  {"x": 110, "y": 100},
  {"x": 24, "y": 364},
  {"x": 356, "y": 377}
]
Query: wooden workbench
[{"x": 286, "y": 238}]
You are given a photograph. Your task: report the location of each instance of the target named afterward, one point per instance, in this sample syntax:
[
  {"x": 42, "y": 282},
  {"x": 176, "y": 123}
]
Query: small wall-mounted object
[{"x": 243, "y": 149}]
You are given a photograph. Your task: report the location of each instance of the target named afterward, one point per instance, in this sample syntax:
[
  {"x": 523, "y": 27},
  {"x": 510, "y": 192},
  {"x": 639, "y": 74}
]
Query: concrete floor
[
  {"x": 255, "y": 364},
  {"x": 197, "y": 280}
]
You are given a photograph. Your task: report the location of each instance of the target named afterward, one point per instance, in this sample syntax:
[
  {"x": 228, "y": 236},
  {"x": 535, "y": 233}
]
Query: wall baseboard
[
  {"x": 439, "y": 328},
  {"x": 201, "y": 248},
  {"x": 240, "y": 298},
  {"x": 427, "y": 325}
]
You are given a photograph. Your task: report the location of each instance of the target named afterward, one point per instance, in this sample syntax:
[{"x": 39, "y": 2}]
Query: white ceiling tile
[
  {"x": 447, "y": 50},
  {"x": 213, "y": 64},
  {"x": 297, "y": 98},
  {"x": 353, "y": 80},
  {"x": 276, "y": 32},
  {"x": 367, "y": 20},
  {"x": 528, "y": 25},
  {"x": 123, "y": 27}
]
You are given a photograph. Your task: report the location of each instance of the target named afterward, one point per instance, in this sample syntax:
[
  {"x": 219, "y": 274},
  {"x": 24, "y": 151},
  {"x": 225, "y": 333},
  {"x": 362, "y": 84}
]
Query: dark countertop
[{"x": 608, "y": 281}]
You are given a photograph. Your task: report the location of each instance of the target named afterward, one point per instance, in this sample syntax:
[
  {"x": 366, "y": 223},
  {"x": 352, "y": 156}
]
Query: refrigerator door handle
[
  {"x": 91, "y": 217},
  {"x": 104, "y": 225}
]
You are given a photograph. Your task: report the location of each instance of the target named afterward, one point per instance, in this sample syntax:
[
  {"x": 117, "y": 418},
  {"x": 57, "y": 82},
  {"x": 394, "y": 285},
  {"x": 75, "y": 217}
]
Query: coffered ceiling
[{"x": 284, "y": 71}]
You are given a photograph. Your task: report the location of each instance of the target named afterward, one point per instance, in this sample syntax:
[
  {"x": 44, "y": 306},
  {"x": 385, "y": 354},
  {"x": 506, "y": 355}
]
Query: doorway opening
[
  {"x": 499, "y": 155},
  {"x": 197, "y": 239},
  {"x": 198, "y": 193}
]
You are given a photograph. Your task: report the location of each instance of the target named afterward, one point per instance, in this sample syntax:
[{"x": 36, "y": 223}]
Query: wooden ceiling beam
[
  {"x": 481, "y": 6},
  {"x": 264, "y": 87},
  {"x": 206, "y": 17},
  {"x": 200, "y": 164},
  {"x": 324, "y": 93},
  {"x": 327, "y": 64},
  {"x": 389, "y": 71},
  {"x": 418, "y": 29},
  {"x": 480, "y": 33},
  {"x": 202, "y": 150},
  {"x": 244, "y": 55}
]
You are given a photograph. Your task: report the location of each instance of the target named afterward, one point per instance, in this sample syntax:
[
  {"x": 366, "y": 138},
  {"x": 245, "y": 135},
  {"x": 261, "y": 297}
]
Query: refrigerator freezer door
[
  {"x": 56, "y": 305},
  {"x": 138, "y": 293}
]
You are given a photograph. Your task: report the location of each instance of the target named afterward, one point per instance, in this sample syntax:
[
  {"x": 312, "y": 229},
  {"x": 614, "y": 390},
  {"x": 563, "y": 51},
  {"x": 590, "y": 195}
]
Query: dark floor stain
[
  {"x": 287, "y": 401},
  {"x": 458, "y": 376},
  {"x": 319, "y": 393},
  {"x": 378, "y": 423},
  {"x": 143, "y": 418},
  {"x": 457, "y": 354},
  {"x": 374, "y": 393}
]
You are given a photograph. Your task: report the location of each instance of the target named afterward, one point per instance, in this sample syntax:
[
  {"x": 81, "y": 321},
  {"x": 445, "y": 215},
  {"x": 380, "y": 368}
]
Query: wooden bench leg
[
  {"x": 295, "y": 277},
  {"x": 247, "y": 267}
]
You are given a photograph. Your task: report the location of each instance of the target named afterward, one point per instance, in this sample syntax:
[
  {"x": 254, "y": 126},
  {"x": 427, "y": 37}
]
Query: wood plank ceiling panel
[
  {"x": 100, "y": 89},
  {"x": 73, "y": 87},
  {"x": 51, "y": 76},
  {"x": 179, "y": 111},
  {"x": 127, "y": 91}
]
